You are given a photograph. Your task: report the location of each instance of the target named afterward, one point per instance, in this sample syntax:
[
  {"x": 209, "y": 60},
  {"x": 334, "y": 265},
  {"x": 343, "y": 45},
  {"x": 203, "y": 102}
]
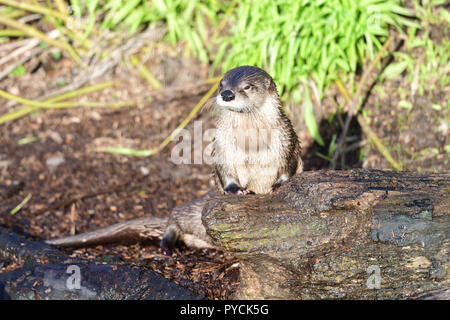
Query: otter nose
[{"x": 227, "y": 95}]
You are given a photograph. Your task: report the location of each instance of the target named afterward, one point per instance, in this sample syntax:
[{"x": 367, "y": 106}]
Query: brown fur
[
  {"x": 253, "y": 112},
  {"x": 185, "y": 225}
]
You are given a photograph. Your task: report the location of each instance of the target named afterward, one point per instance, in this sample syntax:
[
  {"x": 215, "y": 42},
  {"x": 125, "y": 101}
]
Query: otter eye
[{"x": 247, "y": 87}]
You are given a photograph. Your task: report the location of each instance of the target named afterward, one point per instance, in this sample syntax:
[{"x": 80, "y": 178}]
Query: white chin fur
[{"x": 234, "y": 105}]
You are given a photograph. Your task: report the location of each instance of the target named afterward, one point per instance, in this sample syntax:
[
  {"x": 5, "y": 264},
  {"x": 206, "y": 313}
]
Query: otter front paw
[
  {"x": 278, "y": 183},
  {"x": 166, "y": 250},
  {"x": 274, "y": 188},
  {"x": 233, "y": 188}
]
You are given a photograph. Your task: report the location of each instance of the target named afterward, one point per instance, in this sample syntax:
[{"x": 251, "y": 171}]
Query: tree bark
[
  {"x": 323, "y": 235},
  {"x": 339, "y": 235}
]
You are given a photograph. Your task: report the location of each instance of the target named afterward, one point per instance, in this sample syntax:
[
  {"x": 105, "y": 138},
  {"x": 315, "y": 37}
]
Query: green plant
[
  {"x": 434, "y": 68},
  {"x": 302, "y": 44},
  {"x": 299, "y": 41},
  {"x": 295, "y": 41},
  {"x": 19, "y": 70},
  {"x": 185, "y": 20}
]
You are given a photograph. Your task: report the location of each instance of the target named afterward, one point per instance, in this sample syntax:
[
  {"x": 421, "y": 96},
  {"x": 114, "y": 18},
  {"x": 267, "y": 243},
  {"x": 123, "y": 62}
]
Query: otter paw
[
  {"x": 233, "y": 188},
  {"x": 166, "y": 251},
  {"x": 278, "y": 183},
  {"x": 245, "y": 191},
  {"x": 273, "y": 189}
]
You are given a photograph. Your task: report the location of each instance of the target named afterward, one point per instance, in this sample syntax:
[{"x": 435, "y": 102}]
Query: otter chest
[{"x": 256, "y": 156}]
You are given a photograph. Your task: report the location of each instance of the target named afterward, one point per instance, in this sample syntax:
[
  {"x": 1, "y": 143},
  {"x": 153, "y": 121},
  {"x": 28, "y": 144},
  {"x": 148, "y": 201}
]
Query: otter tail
[
  {"x": 169, "y": 239},
  {"x": 136, "y": 230}
]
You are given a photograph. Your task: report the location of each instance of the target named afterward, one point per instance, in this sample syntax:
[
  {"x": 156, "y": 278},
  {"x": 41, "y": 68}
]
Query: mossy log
[
  {"x": 339, "y": 235},
  {"x": 356, "y": 234}
]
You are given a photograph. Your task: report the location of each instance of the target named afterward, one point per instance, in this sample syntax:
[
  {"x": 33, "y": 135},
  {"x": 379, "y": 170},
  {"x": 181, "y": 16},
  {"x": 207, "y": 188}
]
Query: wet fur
[
  {"x": 255, "y": 112},
  {"x": 185, "y": 225}
]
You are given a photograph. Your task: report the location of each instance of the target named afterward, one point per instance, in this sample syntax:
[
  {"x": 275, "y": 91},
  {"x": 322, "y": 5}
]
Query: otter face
[{"x": 244, "y": 89}]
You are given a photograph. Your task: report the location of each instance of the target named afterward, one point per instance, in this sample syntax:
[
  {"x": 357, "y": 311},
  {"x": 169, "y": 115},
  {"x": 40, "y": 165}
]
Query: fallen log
[
  {"x": 359, "y": 234},
  {"x": 339, "y": 235}
]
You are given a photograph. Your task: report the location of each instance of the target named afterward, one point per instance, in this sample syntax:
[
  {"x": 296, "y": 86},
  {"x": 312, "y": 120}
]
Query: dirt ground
[{"x": 75, "y": 189}]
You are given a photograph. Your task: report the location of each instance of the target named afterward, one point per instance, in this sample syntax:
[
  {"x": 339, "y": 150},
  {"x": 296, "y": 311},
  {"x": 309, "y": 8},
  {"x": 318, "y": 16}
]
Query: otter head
[{"x": 244, "y": 89}]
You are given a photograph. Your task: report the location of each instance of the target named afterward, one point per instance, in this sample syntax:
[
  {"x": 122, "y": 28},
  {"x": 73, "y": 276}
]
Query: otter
[
  {"x": 255, "y": 148},
  {"x": 254, "y": 151}
]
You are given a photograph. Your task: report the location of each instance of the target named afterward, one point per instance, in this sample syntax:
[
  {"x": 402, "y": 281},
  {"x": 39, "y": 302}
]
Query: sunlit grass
[{"x": 295, "y": 41}]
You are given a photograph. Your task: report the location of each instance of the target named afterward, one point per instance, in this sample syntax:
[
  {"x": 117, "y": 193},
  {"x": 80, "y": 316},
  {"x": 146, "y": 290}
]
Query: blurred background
[{"x": 92, "y": 93}]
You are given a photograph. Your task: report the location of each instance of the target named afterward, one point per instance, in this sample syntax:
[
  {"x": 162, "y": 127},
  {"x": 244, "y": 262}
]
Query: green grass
[
  {"x": 297, "y": 42},
  {"x": 186, "y": 20},
  {"x": 19, "y": 71},
  {"x": 289, "y": 38},
  {"x": 298, "y": 39},
  {"x": 303, "y": 44}
]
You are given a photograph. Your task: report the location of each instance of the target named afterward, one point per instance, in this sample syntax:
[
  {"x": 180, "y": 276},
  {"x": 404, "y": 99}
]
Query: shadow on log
[
  {"x": 47, "y": 273},
  {"x": 339, "y": 234}
]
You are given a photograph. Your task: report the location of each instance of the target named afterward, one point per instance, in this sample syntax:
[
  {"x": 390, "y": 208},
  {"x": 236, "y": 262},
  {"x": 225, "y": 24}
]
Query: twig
[
  {"x": 51, "y": 102},
  {"x": 145, "y": 73},
  {"x": 98, "y": 67},
  {"x": 187, "y": 88},
  {"x": 61, "y": 5},
  {"x": 355, "y": 146},
  {"x": 70, "y": 30},
  {"x": 190, "y": 116},
  {"x": 353, "y": 107},
  {"x": 31, "y": 17},
  {"x": 32, "y": 32},
  {"x": 15, "y": 44},
  {"x": 20, "y": 206},
  {"x": 73, "y": 94},
  {"x": 369, "y": 133},
  {"x": 14, "y": 65},
  {"x": 28, "y": 44},
  {"x": 224, "y": 20},
  {"x": 11, "y": 33},
  {"x": 82, "y": 91},
  {"x": 313, "y": 86},
  {"x": 35, "y": 105},
  {"x": 72, "y": 218},
  {"x": 58, "y": 105},
  {"x": 36, "y": 8},
  {"x": 19, "y": 51},
  {"x": 150, "y": 152}
]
